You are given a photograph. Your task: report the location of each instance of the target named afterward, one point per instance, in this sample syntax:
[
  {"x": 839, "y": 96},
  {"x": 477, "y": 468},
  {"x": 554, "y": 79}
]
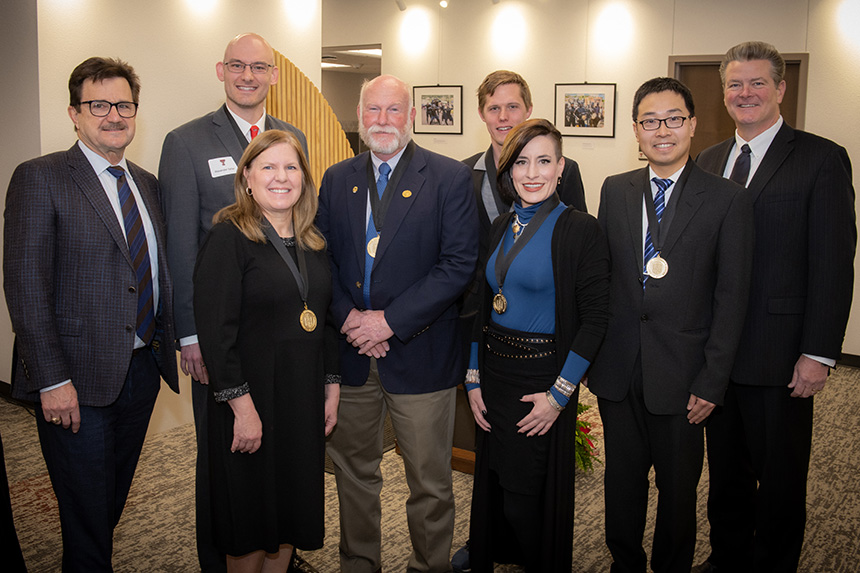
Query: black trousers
[
  {"x": 635, "y": 440},
  {"x": 758, "y": 456},
  {"x": 92, "y": 471},
  {"x": 10, "y": 549}
]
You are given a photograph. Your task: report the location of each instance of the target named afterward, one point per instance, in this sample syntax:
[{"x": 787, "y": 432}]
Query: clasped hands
[
  {"x": 536, "y": 423},
  {"x": 368, "y": 331}
]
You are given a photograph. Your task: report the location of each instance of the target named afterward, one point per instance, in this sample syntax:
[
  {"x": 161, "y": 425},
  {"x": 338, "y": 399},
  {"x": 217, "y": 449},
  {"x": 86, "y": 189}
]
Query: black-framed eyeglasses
[
  {"x": 101, "y": 108},
  {"x": 673, "y": 122},
  {"x": 257, "y": 68}
]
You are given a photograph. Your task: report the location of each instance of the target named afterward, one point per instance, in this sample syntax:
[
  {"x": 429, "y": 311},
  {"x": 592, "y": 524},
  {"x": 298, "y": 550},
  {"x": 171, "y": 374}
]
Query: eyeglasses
[
  {"x": 101, "y": 108},
  {"x": 653, "y": 124},
  {"x": 258, "y": 68}
]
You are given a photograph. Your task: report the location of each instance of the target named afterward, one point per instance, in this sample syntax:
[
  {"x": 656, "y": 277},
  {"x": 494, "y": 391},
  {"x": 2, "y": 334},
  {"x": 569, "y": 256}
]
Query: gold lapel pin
[
  {"x": 407, "y": 194},
  {"x": 355, "y": 189}
]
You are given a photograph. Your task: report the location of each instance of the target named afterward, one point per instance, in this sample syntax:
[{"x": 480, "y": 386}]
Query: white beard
[{"x": 388, "y": 146}]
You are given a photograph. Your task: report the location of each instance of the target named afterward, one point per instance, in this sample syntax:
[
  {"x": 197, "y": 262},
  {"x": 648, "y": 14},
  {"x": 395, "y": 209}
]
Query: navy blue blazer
[
  {"x": 803, "y": 262},
  {"x": 69, "y": 280},
  {"x": 425, "y": 259}
]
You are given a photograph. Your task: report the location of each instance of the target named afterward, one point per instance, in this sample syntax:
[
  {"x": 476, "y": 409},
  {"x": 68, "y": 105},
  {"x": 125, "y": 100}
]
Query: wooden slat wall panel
[{"x": 297, "y": 100}]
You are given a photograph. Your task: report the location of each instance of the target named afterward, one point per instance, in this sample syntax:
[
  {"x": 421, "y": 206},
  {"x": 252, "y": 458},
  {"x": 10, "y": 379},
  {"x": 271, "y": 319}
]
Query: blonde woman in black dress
[{"x": 262, "y": 286}]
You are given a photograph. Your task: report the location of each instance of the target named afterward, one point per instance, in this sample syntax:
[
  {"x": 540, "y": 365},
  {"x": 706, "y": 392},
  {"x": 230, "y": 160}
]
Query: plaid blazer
[{"x": 68, "y": 278}]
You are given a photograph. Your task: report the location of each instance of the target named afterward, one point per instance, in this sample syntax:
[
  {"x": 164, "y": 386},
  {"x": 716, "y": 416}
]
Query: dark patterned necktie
[
  {"x": 139, "y": 251},
  {"x": 659, "y": 206},
  {"x": 741, "y": 170}
]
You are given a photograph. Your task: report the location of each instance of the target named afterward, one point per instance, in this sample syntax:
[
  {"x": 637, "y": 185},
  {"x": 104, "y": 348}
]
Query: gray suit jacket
[
  {"x": 68, "y": 278},
  {"x": 192, "y": 195},
  {"x": 687, "y": 324}
]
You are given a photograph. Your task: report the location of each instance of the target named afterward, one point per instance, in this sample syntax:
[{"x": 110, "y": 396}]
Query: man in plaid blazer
[{"x": 90, "y": 298}]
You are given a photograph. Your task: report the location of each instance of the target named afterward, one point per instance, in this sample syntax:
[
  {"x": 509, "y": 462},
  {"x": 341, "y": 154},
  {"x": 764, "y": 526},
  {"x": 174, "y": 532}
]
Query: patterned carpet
[{"x": 156, "y": 533}]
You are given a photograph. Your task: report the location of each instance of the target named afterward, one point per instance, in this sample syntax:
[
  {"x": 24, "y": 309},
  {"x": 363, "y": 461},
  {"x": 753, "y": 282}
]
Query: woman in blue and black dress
[{"x": 544, "y": 314}]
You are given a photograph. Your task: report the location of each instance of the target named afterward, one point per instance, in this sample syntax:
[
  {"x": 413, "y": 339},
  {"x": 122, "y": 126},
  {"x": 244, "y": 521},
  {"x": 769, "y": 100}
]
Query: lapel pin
[
  {"x": 407, "y": 194},
  {"x": 355, "y": 189}
]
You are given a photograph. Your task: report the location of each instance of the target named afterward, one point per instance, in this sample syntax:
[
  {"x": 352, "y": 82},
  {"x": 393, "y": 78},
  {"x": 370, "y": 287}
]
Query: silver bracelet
[
  {"x": 472, "y": 376},
  {"x": 553, "y": 402},
  {"x": 564, "y": 386}
]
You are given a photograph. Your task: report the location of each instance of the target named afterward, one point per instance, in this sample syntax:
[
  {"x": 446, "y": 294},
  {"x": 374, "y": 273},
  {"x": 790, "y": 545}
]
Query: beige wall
[
  {"x": 174, "y": 45},
  {"x": 615, "y": 41}
]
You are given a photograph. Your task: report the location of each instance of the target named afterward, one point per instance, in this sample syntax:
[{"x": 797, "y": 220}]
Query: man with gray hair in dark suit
[
  {"x": 198, "y": 164},
  {"x": 800, "y": 297},
  {"x": 91, "y": 303}
]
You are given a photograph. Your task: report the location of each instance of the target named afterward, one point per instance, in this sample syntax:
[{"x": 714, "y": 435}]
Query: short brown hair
[
  {"x": 99, "y": 69},
  {"x": 517, "y": 139},
  {"x": 755, "y": 51},
  {"x": 499, "y": 78},
  {"x": 245, "y": 213}
]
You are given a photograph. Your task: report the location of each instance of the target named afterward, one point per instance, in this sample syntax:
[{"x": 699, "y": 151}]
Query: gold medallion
[
  {"x": 500, "y": 303},
  {"x": 371, "y": 246},
  {"x": 657, "y": 268},
  {"x": 515, "y": 227},
  {"x": 308, "y": 320}
]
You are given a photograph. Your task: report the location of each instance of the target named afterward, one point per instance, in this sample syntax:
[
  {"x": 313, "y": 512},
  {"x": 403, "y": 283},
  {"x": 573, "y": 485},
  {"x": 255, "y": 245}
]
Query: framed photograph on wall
[
  {"x": 585, "y": 110},
  {"x": 438, "y": 109}
]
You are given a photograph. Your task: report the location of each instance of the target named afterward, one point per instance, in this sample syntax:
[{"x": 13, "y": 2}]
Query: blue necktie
[
  {"x": 659, "y": 206},
  {"x": 139, "y": 251},
  {"x": 741, "y": 170},
  {"x": 384, "y": 170}
]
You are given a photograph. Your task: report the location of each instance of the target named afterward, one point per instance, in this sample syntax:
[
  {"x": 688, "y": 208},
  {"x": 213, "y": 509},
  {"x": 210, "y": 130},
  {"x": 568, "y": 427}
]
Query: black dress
[{"x": 247, "y": 306}]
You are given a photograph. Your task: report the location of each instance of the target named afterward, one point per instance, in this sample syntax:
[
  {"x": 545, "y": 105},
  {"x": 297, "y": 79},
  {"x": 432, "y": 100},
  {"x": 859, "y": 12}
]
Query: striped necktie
[
  {"x": 659, "y": 206},
  {"x": 139, "y": 251},
  {"x": 381, "y": 182}
]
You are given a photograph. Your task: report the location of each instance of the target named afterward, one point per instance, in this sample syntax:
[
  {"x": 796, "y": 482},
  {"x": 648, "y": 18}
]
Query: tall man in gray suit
[
  {"x": 799, "y": 301},
  {"x": 90, "y": 299},
  {"x": 198, "y": 163},
  {"x": 681, "y": 246}
]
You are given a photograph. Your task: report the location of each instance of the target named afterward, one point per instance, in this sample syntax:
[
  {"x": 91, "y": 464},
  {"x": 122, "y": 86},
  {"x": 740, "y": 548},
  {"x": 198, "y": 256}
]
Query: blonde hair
[{"x": 246, "y": 214}]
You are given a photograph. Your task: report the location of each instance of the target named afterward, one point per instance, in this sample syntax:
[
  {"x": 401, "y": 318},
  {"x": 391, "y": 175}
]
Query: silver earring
[{"x": 249, "y": 191}]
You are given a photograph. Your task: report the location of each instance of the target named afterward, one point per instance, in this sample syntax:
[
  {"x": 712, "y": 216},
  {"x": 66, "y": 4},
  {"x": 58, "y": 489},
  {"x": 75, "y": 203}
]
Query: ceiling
[{"x": 368, "y": 61}]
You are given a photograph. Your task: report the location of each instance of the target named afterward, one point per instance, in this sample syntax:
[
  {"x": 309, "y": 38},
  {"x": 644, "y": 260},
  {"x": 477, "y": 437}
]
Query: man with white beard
[{"x": 402, "y": 232}]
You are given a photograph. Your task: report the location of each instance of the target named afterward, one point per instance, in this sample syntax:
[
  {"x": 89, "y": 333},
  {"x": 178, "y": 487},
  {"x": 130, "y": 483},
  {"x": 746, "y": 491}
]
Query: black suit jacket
[
  {"x": 803, "y": 263},
  {"x": 68, "y": 278},
  {"x": 687, "y": 324}
]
